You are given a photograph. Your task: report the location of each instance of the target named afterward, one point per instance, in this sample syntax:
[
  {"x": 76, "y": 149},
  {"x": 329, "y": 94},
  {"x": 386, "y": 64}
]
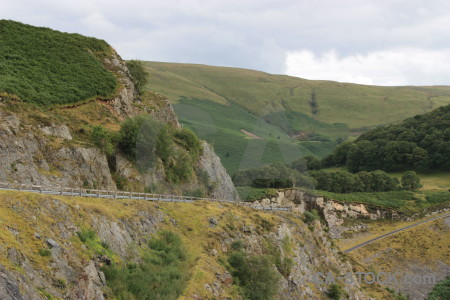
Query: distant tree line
[
  {"x": 296, "y": 174},
  {"x": 420, "y": 143}
]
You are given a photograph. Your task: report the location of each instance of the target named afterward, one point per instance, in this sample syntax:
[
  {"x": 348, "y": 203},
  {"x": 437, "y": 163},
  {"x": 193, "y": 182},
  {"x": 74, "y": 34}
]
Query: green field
[
  {"x": 221, "y": 125},
  {"x": 308, "y": 116}
]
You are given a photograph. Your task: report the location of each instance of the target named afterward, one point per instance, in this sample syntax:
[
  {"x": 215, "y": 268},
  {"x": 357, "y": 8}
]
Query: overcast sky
[{"x": 382, "y": 42}]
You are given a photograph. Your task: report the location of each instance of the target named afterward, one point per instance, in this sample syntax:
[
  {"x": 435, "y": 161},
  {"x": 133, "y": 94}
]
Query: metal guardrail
[{"x": 97, "y": 193}]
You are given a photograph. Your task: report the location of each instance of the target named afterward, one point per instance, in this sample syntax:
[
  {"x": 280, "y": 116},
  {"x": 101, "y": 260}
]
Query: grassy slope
[
  {"x": 47, "y": 67},
  {"x": 217, "y": 102},
  {"x": 391, "y": 255},
  {"x": 22, "y": 212}
]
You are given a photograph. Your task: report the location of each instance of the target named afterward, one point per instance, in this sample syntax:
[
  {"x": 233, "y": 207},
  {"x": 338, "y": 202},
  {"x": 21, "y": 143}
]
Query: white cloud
[
  {"x": 401, "y": 66},
  {"x": 254, "y": 34}
]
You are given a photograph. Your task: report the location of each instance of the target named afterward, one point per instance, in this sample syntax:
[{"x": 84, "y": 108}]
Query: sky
[{"x": 379, "y": 42}]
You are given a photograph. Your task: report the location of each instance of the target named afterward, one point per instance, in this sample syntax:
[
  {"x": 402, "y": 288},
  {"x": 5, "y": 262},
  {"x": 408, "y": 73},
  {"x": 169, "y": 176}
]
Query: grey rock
[
  {"x": 224, "y": 188},
  {"x": 15, "y": 256},
  {"x": 52, "y": 243},
  {"x": 60, "y": 131},
  {"x": 213, "y": 222}
]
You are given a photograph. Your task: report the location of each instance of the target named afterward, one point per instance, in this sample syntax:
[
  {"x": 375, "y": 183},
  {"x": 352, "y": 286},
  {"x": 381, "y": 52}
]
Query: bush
[
  {"x": 249, "y": 194},
  {"x": 138, "y": 134},
  {"x": 441, "y": 290},
  {"x": 138, "y": 74},
  {"x": 189, "y": 141},
  {"x": 311, "y": 216},
  {"x": 162, "y": 272},
  {"x": 44, "y": 252},
  {"x": 438, "y": 197},
  {"x": 255, "y": 275},
  {"x": 335, "y": 291},
  {"x": 102, "y": 140},
  {"x": 86, "y": 235},
  {"x": 410, "y": 181}
]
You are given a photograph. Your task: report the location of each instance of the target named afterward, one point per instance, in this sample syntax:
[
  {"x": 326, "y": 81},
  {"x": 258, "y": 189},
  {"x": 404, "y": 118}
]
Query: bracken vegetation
[{"x": 47, "y": 67}]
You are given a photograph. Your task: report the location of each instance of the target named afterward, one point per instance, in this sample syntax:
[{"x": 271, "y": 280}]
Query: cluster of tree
[
  {"x": 376, "y": 181},
  {"x": 419, "y": 143},
  {"x": 147, "y": 141},
  {"x": 48, "y": 67},
  {"x": 276, "y": 175},
  {"x": 279, "y": 175}
]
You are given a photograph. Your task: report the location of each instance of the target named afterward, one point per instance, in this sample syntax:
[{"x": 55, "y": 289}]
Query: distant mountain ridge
[{"x": 293, "y": 116}]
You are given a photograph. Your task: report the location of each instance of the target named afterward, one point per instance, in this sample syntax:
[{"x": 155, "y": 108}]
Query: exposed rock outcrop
[
  {"x": 31, "y": 156},
  {"x": 122, "y": 102},
  {"x": 223, "y": 185}
]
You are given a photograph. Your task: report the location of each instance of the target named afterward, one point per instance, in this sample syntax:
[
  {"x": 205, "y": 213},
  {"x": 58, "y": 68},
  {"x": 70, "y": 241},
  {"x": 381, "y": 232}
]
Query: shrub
[
  {"x": 162, "y": 272},
  {"x": 250, "y": 194},
  {"x": 441, "y": 290},
  {"x": 438, "y": 197},
  {"x": 102, "y": 140},
  {"x": 86, "y": 235},
  {"x": 138, "y": 134},
  {"x": 310, "y": 216},
  {"x": 189, "y": 141},
  {"x": 335, "y": 291},
  {"x": 138, "y": 74},
  {"x": 237, "y": 245},
  {"x": 410, "y": 181},
  {"x": 255, "y": 275},
  {"x": 44, "y": 252}
]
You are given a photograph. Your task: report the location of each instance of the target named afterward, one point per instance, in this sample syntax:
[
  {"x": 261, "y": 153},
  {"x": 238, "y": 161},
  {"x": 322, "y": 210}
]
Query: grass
[
  {"x": 217, "y": 102},
  {"x": 407, "y": 252},
  {"x": 221, "y": 126},
  {"x": 47, "y": 67},
  {"x": 430, "y": 181},
  {"x": 406, "y": 202},
  {"x": 251, "y": 194}
]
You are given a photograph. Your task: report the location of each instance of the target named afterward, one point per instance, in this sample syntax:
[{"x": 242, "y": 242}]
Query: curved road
[{"x": 446, "y": 215}]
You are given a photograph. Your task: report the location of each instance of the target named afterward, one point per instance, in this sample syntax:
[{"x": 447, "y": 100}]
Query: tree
[
  {"x": 138, "y": 74},
  {"x": 102, "y": 139},
  {"x": 410, "y": 181}
]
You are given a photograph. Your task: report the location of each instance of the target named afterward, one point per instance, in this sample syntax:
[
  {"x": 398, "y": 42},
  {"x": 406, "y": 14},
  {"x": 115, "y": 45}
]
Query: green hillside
[
  {"x": 419, "y": 143},
  {"x": 297, "y": 116},
  {"x": 48, "y": 67}
]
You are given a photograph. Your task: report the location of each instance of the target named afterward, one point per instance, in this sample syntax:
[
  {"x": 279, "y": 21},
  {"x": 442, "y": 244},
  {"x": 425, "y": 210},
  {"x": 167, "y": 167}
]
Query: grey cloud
[{"x": 254, "y": 34}]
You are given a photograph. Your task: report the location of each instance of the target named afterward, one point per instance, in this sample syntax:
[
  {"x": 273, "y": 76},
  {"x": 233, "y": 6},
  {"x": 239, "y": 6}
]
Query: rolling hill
[{"x": 292, "y": 116}]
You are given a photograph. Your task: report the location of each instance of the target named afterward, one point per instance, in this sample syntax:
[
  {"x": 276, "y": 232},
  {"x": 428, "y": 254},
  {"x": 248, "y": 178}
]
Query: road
[{"x": 446, "y": 215}]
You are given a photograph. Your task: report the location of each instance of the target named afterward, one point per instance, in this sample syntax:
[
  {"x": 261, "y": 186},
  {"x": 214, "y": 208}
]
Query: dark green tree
[{"x": 410, "y": 181}]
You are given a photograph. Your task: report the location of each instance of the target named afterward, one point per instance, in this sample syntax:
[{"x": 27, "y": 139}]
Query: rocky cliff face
[
  {"x": 223, "y": 185},
  {"x": 49, "y": 148},
  {"x": 39, "y": 156},
  {"x": 42, "y": 254}
]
